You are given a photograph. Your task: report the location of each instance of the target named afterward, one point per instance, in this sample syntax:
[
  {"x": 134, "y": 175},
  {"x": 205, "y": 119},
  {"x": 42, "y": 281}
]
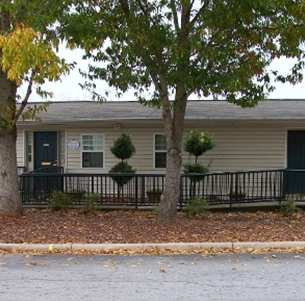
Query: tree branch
[
  {"x": 202, "y": 8},
  {"x": 175, "y": 15},
  {"x": 144, "y": 10},
  {"x": 25, "y": 99}
]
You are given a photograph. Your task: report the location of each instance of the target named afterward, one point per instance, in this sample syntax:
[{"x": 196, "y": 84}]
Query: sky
[{"x": 68, "y": 89}]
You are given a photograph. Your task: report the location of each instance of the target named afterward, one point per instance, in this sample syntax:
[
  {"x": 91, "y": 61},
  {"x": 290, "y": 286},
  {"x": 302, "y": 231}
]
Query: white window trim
[
  {"x": 81, "y": 150},
  {"x": 65, "y": 150},
  {"x": 158, "y": 151}
]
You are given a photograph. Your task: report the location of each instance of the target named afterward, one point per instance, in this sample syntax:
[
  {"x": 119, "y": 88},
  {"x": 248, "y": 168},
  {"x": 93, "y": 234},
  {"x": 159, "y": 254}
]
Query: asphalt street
[{"x": 235, "y": 277}]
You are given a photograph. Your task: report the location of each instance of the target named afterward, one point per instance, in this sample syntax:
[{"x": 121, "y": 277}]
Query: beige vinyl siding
[
  {"x": 142, "y": 139},
  {"x": 239, "y": 145},
  {"x": 246, "y": 147},
  {"x": 143, "y": 158},
  {"x": 73, "y": 156}
]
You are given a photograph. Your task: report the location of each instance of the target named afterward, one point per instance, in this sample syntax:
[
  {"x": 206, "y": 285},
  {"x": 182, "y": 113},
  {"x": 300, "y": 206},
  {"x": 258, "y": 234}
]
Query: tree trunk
[
  {"x": 10, "y": 203},
  {"x": 174, "y": 125},
  {"x": 171, "y": 194},
  {"x": 9, "y": 193},
  {"x": 174, "y": 119}
]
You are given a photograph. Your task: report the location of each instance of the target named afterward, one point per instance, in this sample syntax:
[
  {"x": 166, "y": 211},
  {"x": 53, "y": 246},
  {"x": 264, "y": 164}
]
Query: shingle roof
[{"x": 82, "y": 111}]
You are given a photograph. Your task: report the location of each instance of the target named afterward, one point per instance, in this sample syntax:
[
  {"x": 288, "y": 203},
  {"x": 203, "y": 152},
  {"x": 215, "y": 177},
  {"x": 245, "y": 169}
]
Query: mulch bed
[{"x": 118, "y": 226}]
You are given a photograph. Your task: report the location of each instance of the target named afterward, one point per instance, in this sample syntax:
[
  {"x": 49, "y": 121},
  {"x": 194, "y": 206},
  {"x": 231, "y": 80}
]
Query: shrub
[
  {"x": 197, "y": 205},
  {"x": 198, "y": 143},
  {"x": 90, "y": 202},
  {"x": 288, "y": 208},
  {"x": 122, "y": 147},
  {"x": 60, "y": 201},
  {"x": 195, "y": 168},
  {"x": 122, "y": 167}
]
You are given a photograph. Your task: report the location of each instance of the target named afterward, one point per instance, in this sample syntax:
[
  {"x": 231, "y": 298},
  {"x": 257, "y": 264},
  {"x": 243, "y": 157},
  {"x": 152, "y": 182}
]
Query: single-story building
[{"x": 77, "y": 135}]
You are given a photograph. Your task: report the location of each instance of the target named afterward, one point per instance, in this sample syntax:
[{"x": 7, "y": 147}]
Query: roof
[{"x": 87, "y": 111}]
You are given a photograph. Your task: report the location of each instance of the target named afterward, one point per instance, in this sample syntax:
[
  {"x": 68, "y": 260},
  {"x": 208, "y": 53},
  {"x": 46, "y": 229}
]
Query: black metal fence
[{"x": 138, "y": 190}]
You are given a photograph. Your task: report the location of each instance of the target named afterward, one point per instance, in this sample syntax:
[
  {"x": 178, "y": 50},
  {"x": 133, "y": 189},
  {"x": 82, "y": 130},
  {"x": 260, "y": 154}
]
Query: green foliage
[
  {"x": 90, "y": 202},
  {"x": 196, "y": 206},
  {"x": 123, "y": 147},
  {"x": 190, "y": 168},
  {"x": 289, "y": 209},
  {"x": 195, "y": 168},
  {"x": 208, "y": 47},
  {"x": 122, "y": 167},
  {"x": 198, "y": 143},
  {"x": 60, "y": 201}
]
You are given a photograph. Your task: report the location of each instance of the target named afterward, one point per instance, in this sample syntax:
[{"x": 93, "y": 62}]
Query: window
[
  {"x": 93, "y": 150},
  {"x": 160, "y": 151}
]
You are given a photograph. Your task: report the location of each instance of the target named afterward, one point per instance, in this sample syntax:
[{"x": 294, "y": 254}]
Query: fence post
[
  {"x": 136, "y": 195},
  {"x": 231, "y": 189},
  {"x": 181, "y": 192}
]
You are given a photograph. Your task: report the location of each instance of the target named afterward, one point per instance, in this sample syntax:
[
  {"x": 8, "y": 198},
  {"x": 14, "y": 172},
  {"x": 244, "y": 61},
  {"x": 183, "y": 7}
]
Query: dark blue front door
[
  {"x": 295, "y": 181},
  {"x": 45, "y": 161},
  {"x": 45, "y": 151}
]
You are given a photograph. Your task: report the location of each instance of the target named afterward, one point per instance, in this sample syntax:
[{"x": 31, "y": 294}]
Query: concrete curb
[
  {"x": 273, "y": 245},
  {"x": 161, "y": 246},
  {"x": 35, "y": 247}
]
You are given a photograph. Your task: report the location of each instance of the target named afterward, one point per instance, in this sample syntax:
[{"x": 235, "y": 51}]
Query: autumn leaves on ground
[{"x": 45, "y": 226}]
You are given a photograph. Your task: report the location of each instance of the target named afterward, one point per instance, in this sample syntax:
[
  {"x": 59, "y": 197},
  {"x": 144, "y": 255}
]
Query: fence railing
[
  {"x": 236, "y": 187},
  {"x": 138, "y": 190},
  {"x": 49, "y": 169}
]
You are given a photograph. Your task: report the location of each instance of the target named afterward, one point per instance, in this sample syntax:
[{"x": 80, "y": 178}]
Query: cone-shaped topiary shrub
[
  {"x": 123, "y": 149},
  {"x": 196, "y": 144}
]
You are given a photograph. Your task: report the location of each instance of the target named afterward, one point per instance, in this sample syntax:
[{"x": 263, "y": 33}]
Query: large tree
[
  {"x": 221, "y": 48},
  {"x": 26, "y": 58}
]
